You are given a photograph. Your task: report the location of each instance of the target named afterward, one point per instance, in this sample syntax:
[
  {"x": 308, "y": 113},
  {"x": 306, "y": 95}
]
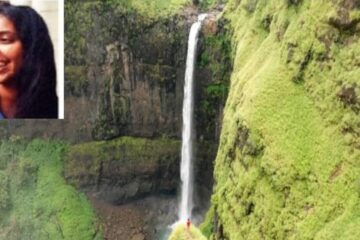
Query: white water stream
[{"x": 186, "y": 204}]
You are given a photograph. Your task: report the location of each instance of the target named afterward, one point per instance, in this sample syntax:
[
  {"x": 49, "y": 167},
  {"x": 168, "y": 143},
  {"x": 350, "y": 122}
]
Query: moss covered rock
[
  {"x": 288, "y": 161},
  {"x": 124, "y": 168},
  {"x": 212, "y": 76},
  {"x": 129, "y": 168}
]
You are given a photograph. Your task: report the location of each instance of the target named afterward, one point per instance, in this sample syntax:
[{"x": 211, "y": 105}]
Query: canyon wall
[{"x": 288, "y": 161}]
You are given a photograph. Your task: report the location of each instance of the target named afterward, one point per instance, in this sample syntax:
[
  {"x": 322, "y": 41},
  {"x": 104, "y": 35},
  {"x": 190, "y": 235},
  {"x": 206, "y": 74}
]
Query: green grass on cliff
[
  {"x": 181, "y": 232},
  {"x": 146, "y": 8},
  {"x": 123, "y": 148},
  {"x": 134, "y": 154},
  {"x": 158, "y": 8},
  {"x": 288, "y": 163},
  {"x": 35, "y": 201}
]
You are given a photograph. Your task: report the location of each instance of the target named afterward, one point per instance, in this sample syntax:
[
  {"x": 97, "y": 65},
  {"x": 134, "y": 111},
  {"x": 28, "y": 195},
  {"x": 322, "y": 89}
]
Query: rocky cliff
[
  {"x": 124, "y": 71},
  {"x": 288, "y": 162},
  {"x": 129, "y": 168},
  {"x": 124, "y": 74},
  {"x": 124, "y": 77},
  {"x": 133, "y": 69},
  {"x": 130, "y": 71}
]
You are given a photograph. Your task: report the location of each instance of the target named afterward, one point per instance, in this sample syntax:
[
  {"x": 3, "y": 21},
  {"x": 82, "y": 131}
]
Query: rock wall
[
  {"x": 143, "y": 81},
  {"x": 124, "y": 75},
  {"x": 134, "y": 72},
  {"x": 129, "y": 168},
  {"x": 124, "y": 169}
]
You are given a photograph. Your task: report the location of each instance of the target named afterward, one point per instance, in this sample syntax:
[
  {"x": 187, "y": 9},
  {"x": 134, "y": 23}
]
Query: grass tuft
[{"x": 182, "y": 232}]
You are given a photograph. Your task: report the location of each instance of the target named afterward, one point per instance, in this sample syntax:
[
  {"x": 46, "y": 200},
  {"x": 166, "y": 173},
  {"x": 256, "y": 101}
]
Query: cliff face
[
  {"x": 133, "y": 68},
  {"x": 129, "y": 168},
  {"x": 124, "y": 77},
  {"x": 124, "y": 74},
  {"x": 124, "y": 71},
  {"x": 288, "y": 162},
  {"x": 124, "y": 169}
]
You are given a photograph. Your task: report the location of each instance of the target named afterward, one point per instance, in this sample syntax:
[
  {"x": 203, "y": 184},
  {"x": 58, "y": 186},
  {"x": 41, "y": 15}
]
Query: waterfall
[{"x": 186, "y": 174}]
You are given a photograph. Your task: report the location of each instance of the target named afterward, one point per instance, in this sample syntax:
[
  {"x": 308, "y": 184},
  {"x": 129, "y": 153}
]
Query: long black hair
[{"x": 36, "y": 80}]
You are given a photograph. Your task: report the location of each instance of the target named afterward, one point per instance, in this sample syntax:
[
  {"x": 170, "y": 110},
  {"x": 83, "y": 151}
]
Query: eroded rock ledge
[{"x": 129, "y": 168}]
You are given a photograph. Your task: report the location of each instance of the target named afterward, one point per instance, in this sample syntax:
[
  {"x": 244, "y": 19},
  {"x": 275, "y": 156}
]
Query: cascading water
[{"x": 186, "y": 203}]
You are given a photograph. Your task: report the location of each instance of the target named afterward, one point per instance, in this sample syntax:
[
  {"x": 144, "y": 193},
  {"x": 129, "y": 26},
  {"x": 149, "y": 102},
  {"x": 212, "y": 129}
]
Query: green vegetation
[
  {"x": 157, "y": 8},
  {"x": 35, "y": 201},
  {"x": 208, "y": 4},
  {"x": 207, "y": 226},
  {"x": 215, "y": 57},
  {"x": 288, "y": 162},
  {"x": 181, "y": 232},
  {"x": 216, "y": 54},
  {"x": 114, "y": 149}
]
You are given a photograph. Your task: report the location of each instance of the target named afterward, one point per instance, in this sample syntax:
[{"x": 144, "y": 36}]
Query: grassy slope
[
  {"x": 41, "y": 205},
  {"x": 181, "y": 232},
  {"x": 296, "y": 173}
]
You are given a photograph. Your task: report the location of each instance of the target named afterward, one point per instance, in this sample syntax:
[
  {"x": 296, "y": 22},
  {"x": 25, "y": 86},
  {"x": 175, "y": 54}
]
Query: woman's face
[{"x": 11, "y": 51}]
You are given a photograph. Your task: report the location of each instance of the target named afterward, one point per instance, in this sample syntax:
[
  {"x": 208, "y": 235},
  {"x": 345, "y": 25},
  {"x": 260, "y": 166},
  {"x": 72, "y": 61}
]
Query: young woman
[{"x": 27, "y": 66}]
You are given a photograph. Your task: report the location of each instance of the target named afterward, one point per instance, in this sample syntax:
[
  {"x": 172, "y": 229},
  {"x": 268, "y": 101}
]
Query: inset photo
[{"x": 31, "y": 59}]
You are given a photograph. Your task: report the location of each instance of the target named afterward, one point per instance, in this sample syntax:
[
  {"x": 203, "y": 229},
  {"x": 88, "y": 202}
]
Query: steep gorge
[
  {"x": 287, "y": 166},
  {"x": 124, "y": 73},
  {"x": 136, "y": 65}
]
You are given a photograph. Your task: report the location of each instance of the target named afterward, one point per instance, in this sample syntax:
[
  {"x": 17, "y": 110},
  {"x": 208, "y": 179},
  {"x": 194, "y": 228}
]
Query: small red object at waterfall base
[{"x": 188, "y": 222}]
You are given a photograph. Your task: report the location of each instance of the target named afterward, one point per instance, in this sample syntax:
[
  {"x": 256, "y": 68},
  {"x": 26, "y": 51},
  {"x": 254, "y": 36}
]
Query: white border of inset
[{"x": 61, "y": 76}]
